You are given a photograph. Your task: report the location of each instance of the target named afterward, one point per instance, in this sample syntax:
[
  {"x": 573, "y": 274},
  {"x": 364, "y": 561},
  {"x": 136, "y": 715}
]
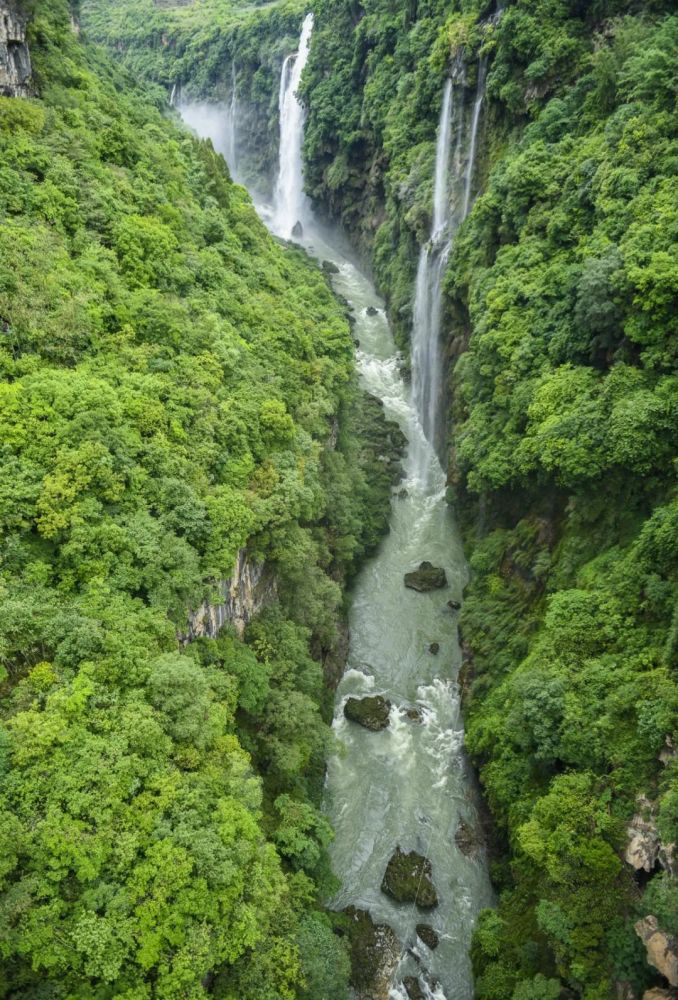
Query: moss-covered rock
[
  {"x": 427, "y": 577},
  {"x": 374, "y": 952},
  {"x": 371, "y": 712},
  {"x": 409, "y": 879},
  {"x": 428, "y": 936}
]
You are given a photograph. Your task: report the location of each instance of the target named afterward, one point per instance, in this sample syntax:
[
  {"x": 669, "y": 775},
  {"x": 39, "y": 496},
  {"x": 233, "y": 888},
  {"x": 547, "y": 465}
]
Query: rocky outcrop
[
  {"x": 409, "y": 879},
  {"x": 374, "y": 951},
  {"x": 662, "y": 948},
  {"x": 250, "y": 589},
  {"x": 15, "y": 59},
  {"x": 427, "y": 577},
  {"x": 371, "y": 712},
  {"x": 644, "y": 849},
  {"x": 466, "y": 839},
  {"x": 426, "y": 933},
  {"x": 660, "y": 994}
]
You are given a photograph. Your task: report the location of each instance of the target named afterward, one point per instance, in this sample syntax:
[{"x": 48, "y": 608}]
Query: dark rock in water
[
  {"x": 297, "y": 230},
  {"x": 408, "y": 879},
  {"x": 413, "y": 988},
  {"x": 371, "y": 311},
  {"x": 374, "y": 951},
  {"x": 428, "y": 936},
  {"x": 371, "y": 712},
  {"x": 454, "y": 605},
  {"x": 466, "y": 838},
  {"x": 403, "y": 494},
  {"x": 414, "y": 714},
  {"x": 434, "y": 648},
  {"x": 427, "y": 577},
  {"x": 329, "y": 267}
]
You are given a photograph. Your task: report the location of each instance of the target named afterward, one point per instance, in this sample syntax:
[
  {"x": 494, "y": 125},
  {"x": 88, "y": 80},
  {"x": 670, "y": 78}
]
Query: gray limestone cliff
[
  {"x": 15, "y": 60},
  {"x": 250, "y": 589}
]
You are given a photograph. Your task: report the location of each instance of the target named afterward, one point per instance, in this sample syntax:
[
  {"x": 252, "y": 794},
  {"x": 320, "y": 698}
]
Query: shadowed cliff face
[{"x": 15, "y": 60}]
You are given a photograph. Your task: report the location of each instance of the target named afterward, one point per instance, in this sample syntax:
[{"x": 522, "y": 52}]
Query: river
[{"x": 408, "y": 785}]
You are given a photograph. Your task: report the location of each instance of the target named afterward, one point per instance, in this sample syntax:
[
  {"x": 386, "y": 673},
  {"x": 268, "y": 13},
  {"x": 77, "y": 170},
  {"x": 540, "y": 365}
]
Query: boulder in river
[
  {"x": 466, "y": 838},
  {"x": 408, "y": 879},
  {"x": 427, "y": 577},
  {"x": 413, "y": 988},
  {"x": 371, "y": 311},
  {"x": 297, "y": 230},
  {"x": 434, "y": 648},
  {"x": 329, "y": 267},
  {"x": 374, "y": 952},
  {"x": 414, "y": 714},
  {"x": 454, "y": 605},
  {"x": 428, "y": 936},
  {"x": 371, "y": 712}
]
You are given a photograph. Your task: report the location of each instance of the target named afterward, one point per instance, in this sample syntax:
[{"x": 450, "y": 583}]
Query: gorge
[{"x": 338, "y": 581}]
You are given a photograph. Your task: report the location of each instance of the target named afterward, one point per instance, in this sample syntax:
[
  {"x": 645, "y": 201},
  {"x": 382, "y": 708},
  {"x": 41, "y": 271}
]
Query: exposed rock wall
[
  {"x": 250, "y": 589},
  {"x": 15, "y": 60}
]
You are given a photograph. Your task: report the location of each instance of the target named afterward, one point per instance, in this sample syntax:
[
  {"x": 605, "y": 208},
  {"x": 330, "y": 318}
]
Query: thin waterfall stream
[{"x": 408, "y": 785}]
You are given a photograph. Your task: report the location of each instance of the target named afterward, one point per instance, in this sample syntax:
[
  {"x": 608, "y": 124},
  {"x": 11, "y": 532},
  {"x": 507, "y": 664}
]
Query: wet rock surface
[
  {"x": 413, "y": 714},
  {"x": 374, "y": 952},
  {"x": 297, "y": 230},
  {"x": 371, "y": 311},
  {"x": 329, "y": 267},
  {"x": 413, "y": 988},
  {"x": 409, "y": 879},
  {"x": 427, "y": 577},
  {"x": 371, "y": 712},
  {"x": 466, "y": 839},
  {"x": 428, "y": 936},
  {"x": 434, "y": 648}
]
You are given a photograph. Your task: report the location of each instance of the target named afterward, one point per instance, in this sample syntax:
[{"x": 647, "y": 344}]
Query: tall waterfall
[
  {"x": 290, "y": 204},
  {"x": 230, "y": 153},
  {"x": 427, "y": 362}
]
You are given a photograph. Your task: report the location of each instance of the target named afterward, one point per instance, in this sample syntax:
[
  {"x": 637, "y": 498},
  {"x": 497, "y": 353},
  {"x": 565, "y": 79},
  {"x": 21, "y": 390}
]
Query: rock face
[
  {"x": 371, "y": 311},
  {"x": 659, "y": 994},
  {"x": 375, "y": 952},
  {"x": 428, "y": 936},
  {"x": 427, "y": 577},
  {"x": 408, "y": 879},
  {"x": 329, "y": 267},
  {"x": 15, "y": 59},
  {"x": 297, "y": 230},
  {"x": 250, "y": 589},
  {"x": 434, "y": 648},
  {"x": 371, "y": 712},
  {"x": 644, "y": 849},
  {"x": 662, "y": 948}
]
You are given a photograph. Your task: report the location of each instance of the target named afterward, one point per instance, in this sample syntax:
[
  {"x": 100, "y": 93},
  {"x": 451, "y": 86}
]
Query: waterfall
[
  {"x": 173, "y": 95},
  {"x": 427, "y": 362},
  {"x": 231, "y": 125},
  {"x": 475, "y": 119},
  {"x": 290, "y": 205}
]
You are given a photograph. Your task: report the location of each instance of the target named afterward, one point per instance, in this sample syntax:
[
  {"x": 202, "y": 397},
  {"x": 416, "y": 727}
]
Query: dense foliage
[
  {"x": 175, "y": 386},
  {"x": 205, "y": 51},
  {"x": 561, "y": 332}
]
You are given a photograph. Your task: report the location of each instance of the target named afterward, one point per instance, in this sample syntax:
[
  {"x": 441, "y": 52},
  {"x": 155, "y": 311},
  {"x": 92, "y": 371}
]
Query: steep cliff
[{"x": 15, "y": 59}]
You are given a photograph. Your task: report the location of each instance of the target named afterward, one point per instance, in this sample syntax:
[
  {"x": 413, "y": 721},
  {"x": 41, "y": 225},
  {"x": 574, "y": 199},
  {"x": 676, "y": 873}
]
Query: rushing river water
[{"x": 409, "y": 784}]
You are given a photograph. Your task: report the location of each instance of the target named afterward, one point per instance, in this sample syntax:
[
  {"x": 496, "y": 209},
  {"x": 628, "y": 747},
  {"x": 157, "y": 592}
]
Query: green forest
[{"x": 179, "y": 392}]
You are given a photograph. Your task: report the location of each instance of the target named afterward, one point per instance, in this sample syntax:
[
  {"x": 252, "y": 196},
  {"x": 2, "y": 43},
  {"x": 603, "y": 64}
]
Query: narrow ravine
[{"x": 407, "y": 785}]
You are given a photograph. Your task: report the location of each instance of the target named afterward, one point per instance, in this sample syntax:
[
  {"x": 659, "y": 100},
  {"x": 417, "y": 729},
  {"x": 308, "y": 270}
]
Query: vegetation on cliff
[
  {"x": 175, "y": 385},
  {"x": 560, "y": 337}
]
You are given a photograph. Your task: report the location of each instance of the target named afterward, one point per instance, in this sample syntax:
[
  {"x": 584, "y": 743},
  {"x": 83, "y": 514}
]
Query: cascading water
[
  {"x": 409, "y": 784},
  {"x": 290, "y": 204},
  {"x": 217, "y": 122}
]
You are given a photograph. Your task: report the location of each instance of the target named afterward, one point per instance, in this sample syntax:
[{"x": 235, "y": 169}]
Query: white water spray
[{"x": 290, "y": 204}]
